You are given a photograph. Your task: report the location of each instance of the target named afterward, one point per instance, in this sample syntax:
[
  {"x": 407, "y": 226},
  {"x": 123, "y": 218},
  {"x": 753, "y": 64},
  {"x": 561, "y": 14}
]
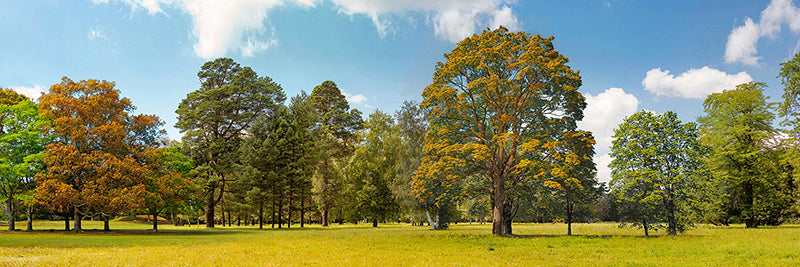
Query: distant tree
[
  {"x": 657, "y": 160},
  {"x": 21, "y": 144},
  {"x": 576, "y": 186},
  {"x": 738, "y": 128},
  {"x": 166, "y": 182},
  {"x": 411, "y": 128},
  {"x": 338, "y": 125},
  {"x": 94, "y": 166},
  {"x": 303, "y": 154},
  {"x": 790, "y": 107},
  {"x": 372, "y": 169},
  {"x": 498, "y": 106},
  {"x": 215, "y": 118}
]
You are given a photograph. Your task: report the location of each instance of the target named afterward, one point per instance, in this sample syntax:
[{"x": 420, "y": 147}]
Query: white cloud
[
  {"x": 604, "y": 112},
  {"x": 242, "y": 25},
  {"x": 355, "y": 99},
  {"x": 603, "y": 171},
  {"x": 741, "y": 46},
  {"x": 694, "y": 83},
  {"x": 96, "y": 34},
  {"x": 32, "y": 93}
]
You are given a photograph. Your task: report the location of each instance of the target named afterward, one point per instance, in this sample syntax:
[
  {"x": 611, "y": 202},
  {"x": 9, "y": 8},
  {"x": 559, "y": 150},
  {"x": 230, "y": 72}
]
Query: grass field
[{"x": 396, "y": 245}]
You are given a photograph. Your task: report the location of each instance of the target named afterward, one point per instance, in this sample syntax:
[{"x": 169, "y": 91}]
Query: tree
[
  {"x": 166, "y": 181},
  {"x": 657, "y": 159},
  {"x": 338, "y": 125},
  {"x": 94, "y": 166},
  {"x": 790, "y": 107},
  {"x": 498, "y": 106},
  {"x": 372, "y": 168},
  {"x": 411, "y": 128},
  {"x": 577, "y": 187},
  {"x": 738, "y": 128},
  {"x": 21, "y": 144},
  {"x": 214, "y": 119}
]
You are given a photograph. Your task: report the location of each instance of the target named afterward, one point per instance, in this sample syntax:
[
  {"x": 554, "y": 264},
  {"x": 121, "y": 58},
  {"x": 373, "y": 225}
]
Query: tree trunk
[
  {"x": 569, "y": 217},
  {"x": 280, "y": 213},
  {"x": 29, "y": 212},
  {"x": 261, "y": 214},
  {"x": 430, "y": 221},
  {"x": 500, "y": 224},
  {"x": 325, "y": 199},
  {"x": 76, "y": 224},
  {"x": 106, "y": 226},
  {"x": 66, "y": 222},
  {"x": 644, "y": 224},
  {"x": 155, "y": 221},
  {"x": 229, "y": 219},
  {"x": 10, "y": 212},
  {"x": 302, "y": 213},
  {"x": 289, "y": 211},
  {"x": 273, "y": 214},
  {"x": 672, "y": 228},
  {"x": 374, "y": 222}
]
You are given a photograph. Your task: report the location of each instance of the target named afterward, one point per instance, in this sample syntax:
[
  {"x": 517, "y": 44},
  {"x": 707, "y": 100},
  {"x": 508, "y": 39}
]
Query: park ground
[{"x": 131, "y": 244}]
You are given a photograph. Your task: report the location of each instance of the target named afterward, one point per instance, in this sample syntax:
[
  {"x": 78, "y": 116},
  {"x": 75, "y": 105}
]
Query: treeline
[{"x": 494, "y": 139}]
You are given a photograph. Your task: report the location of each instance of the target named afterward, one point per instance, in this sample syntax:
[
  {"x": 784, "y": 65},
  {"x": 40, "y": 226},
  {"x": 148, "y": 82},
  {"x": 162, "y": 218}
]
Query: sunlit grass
[{"x": 399, "y": 244}]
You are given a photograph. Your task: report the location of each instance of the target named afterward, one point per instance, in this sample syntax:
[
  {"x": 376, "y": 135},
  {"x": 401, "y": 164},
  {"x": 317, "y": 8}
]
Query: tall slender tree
[
  {"x": 338, "y": 125},
  {"x": 214, "y": 119}
]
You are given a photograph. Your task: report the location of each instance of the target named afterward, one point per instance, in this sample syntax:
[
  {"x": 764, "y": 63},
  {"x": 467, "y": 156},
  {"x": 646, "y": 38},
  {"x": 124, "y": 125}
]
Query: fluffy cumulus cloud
[
  {"x": 31, "y": 92},
  {"x": 242, "y": 25},
  {"x": 602, "y": 114},
  {"x": 741, "y": 46},
  {"x": 355, "y": 99},
  {"x": 695, "y": 83}
]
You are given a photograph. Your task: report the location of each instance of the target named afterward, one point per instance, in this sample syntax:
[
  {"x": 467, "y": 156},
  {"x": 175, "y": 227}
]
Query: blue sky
[{"x": 633, "y": 55}]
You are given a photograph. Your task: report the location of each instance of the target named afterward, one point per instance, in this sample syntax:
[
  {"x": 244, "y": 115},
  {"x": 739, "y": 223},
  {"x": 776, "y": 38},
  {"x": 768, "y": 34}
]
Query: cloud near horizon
[
  {"x": 242, "y": 26},
  {"x": 741, "y": 45},
  {"x": 31, "y": 92},
  {"x": 694, "y": 83},
  {"x": 602, "y": 115}
]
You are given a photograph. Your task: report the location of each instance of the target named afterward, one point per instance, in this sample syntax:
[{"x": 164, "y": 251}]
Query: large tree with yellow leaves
[{"x": 502, "y": 107}]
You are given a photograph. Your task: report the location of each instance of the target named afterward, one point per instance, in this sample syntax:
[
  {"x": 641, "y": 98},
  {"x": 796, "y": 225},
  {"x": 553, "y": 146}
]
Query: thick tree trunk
[
  {"x": 106, "y": 226},
  {"x": 66, "y": 222},
  {"x": 500, "y": 224},
  {"x": 374, "y": 222},
  {"x": 749, "y": 221},
  {"x": 76, "y": 224},
  {"x": 10, "y": 211},
  {"x": 229, "y": 219},
  {"x": 155, "y": 221},
  {"x": 644, "y": 224},
  {"x": 672, "y": 228},
  {"x": 210, "y": 216}
]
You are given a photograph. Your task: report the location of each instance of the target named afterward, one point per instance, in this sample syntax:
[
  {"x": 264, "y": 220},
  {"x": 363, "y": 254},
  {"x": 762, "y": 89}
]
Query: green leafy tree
[
  {"x": 499, "y": 105},
  {"x": 411, "y": 128},
  {"x": 790, "y": 107},
  {"x": 166, "y": 182},
  {"x": 338, "y": 126},
  {"x": 372, "y": 169},
  {"x": 21, "y": 144},
  {"x": 657, "y": 160},
  {"x": 214, "y": 119},
  {"x": 577, "y": 188},
  {"x": 738, "y": 128}
]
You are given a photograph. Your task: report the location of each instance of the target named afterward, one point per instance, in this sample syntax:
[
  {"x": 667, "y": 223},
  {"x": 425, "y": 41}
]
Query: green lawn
[{"x": 398, "y": 245}]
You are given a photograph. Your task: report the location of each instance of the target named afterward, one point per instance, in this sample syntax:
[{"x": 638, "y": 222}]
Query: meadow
[{"x": 130, "y": 244}]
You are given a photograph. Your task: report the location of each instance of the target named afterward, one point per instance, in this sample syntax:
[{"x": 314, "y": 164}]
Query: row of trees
[{"x": 495, "y": 136}]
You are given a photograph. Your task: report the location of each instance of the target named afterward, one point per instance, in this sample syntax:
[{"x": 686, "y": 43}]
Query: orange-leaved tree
[
  {"x": 96, "y": 165},
  {"x": 499, "y": 106}
]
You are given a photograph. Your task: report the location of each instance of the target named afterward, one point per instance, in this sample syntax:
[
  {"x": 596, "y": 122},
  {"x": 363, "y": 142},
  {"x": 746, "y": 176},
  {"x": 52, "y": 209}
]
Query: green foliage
[
  {"x": 22, "y": 141},
  {"x": 499, "y": 106},
  {"x": 657, "y": 161},
  {"x": 338, "y": 125},
  {"x": 790, "y": 107},
  {"x": 738, "y": 128},
  {"x": 215, "y": 117},
  {"x": 411, "y": 126},
  {"x": 372, "y": 169}
]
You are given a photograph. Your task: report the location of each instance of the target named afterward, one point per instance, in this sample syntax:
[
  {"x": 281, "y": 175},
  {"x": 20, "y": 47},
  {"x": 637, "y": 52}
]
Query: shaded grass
[{"x": 398, "y": 244}]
